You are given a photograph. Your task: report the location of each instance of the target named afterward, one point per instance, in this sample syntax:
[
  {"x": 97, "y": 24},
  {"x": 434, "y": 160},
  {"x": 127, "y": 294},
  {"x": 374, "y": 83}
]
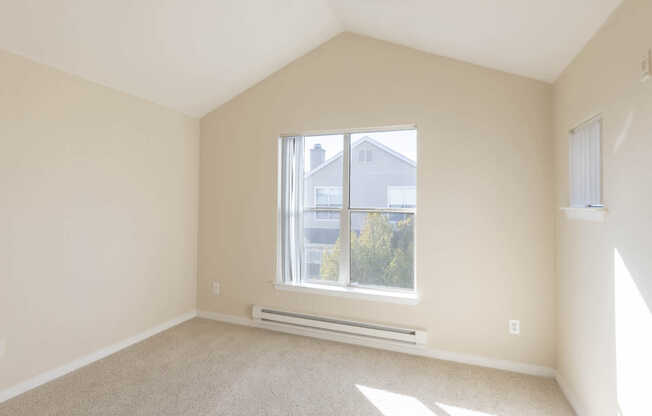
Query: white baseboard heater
[{"x": 325, "y": 324}]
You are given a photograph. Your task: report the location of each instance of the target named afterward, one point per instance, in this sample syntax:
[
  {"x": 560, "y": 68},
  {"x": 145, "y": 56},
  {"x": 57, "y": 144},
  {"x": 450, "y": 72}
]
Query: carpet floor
[{"x": 203, "y": 367}]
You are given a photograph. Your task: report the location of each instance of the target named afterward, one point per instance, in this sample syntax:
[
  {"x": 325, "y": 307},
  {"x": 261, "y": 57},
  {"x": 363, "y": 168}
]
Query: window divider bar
[
  {"x": 345, "y": 217},
  {"x": 319, "y": 209},
  {"x": 386, "y": 210},
  {"x": 380, "y": 210}
]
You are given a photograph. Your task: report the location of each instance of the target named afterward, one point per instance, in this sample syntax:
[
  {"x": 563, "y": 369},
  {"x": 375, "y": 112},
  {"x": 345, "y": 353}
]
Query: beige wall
[
  {"x": 485, "y": 233},
  {"x": 98, "y": 217},
  {"x": 98, "y": 207},
  {"x": 605, "y": 323}
]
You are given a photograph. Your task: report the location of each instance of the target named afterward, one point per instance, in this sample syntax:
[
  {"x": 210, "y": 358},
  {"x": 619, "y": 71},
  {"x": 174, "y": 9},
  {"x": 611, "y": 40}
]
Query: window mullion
[{"x": 345, "y": 216}]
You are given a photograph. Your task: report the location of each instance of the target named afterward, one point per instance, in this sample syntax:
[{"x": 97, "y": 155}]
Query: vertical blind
[
  {"x": 291, "y": 207},
  {"x": 585, "y": 165}
]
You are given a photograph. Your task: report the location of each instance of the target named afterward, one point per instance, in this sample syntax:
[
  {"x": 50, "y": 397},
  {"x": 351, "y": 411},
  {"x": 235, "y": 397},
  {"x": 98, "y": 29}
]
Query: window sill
[
  {"x": 353, "y": 293},
  {"x": 585, "y": 214}
]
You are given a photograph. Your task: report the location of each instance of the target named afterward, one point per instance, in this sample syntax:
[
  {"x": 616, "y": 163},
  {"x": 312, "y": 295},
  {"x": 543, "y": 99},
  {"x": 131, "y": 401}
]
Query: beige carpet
[{"x": 203, "y": 367}]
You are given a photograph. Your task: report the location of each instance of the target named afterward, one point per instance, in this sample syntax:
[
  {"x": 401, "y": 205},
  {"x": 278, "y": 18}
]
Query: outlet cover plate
[{"x": 514, "y": 327}]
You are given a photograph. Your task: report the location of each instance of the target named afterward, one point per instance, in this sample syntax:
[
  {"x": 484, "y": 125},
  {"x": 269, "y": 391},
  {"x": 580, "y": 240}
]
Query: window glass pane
[
  {"x": 382, "y": 250},
  {"x": 385, "y": 160},
  {"x": 321, "y": 215},
  {"x": 336, "y": 197},
  {"x": 328, "y": 196},
  {"x": 321, "y": 245},
  {"x": 402, "y": 196},
  {"x": 321, "y": 197},
  {"x": 322, "y": 189},
  {"x": 323, "y": 171}
]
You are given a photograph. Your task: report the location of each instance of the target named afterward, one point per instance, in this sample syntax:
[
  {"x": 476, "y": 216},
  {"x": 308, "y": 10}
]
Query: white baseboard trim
[
  {"x": 231, "y": 319},
  {"x": 506, "y": 365},
  {"x": 87, "y": 359},
  {"x": 571, "y": 396}
]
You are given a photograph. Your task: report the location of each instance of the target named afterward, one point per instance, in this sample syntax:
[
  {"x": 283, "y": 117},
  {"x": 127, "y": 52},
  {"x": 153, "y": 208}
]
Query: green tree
[
  {"x": 381, "y": 255},
  {"x": 330, "y": 262}
]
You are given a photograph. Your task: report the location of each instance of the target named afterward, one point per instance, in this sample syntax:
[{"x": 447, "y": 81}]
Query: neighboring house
[{"x": 380, "y": 178}]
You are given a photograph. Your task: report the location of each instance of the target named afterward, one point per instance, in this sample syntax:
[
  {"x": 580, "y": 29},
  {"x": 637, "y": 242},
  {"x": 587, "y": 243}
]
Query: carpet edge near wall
[
  {"x": 498, "y": 364},
  {"x": 50, "y": 375},
  {"x": 572, "y": 397},
  {"x": 505, "y": 365}
]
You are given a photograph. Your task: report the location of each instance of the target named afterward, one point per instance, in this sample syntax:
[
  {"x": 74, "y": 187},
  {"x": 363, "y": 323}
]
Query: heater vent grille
[{"x": 327, "y": 324}]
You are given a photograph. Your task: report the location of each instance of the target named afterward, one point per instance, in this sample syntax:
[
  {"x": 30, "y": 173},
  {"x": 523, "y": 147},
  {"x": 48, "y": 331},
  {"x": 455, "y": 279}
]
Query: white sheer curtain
[
  {"x": 585, "y": 165},
  {"x": 291, "y": 208}
]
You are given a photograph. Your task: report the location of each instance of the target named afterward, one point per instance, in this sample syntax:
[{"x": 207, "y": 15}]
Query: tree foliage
[{"x": 381, "y": 254}]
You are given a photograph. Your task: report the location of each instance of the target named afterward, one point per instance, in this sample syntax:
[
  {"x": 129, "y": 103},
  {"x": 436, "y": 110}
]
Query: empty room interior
[{"x": 326, "y": 207}]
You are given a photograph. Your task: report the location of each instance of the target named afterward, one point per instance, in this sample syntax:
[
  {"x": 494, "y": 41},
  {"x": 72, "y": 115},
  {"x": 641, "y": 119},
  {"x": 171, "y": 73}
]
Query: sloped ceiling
[
  {"x": 195, "y": 55},
  {"x": 533, "y": 38}
]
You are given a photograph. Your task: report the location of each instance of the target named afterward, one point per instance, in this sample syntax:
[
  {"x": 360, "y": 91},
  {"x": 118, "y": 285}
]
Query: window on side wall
[
  {"x": 585, "y": 165},
  {"x": 344, "y": 221}
]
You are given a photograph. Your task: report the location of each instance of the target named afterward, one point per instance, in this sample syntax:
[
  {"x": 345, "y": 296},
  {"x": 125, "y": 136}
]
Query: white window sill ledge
[
  {"x": 354, "y": 293},
  {"x": 585, "y": 214}
]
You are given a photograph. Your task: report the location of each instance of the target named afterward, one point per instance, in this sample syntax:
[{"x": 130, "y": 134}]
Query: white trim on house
[
  {"x": 328, "y": 208},
  {"x": 391, "y": 188},
  {"x": 365, "y": 139},
  {"x": 422, "y": 351},
  {"x": 55, "y": 373}
]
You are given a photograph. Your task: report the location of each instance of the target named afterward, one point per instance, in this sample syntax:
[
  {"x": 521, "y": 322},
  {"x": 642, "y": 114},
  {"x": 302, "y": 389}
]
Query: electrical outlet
[
  {"x": 514, "y": 327},
  {"x": 3, "y": 347},
  {"x": 215, "y": 287}
]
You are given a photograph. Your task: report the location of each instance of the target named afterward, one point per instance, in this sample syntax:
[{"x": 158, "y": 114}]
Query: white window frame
[{"x": 343, "y": 287}]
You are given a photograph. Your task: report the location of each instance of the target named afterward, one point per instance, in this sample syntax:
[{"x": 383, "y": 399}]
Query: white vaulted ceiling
[{"x": 193, "y": 55}]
